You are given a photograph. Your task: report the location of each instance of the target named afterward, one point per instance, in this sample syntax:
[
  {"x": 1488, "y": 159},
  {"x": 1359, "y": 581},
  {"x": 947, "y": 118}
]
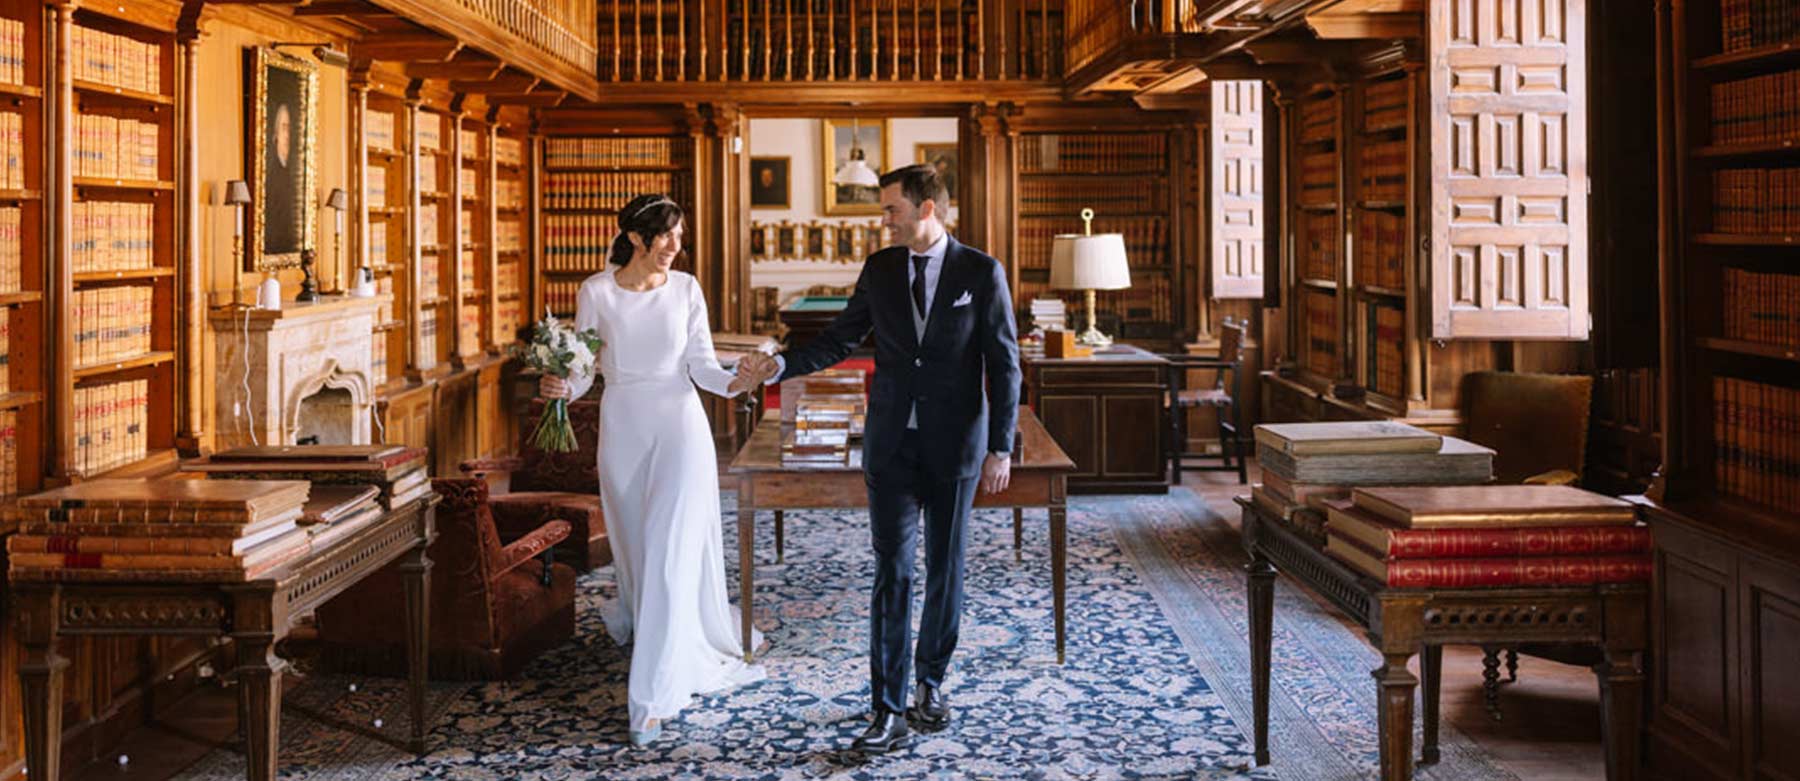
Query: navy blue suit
[{"x": 963, "y": 380}]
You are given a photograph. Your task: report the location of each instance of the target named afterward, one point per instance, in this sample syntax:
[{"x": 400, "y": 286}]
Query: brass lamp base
[{"x": 1092, "y": 336}]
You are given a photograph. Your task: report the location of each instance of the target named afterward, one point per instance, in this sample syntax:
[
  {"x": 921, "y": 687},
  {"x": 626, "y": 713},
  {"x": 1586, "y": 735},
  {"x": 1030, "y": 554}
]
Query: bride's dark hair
[{"x": 648, "y": 216}]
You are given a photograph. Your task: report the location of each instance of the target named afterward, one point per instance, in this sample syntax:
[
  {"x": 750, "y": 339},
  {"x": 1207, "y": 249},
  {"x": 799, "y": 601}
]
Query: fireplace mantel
[{"x": 293, "y": 353}]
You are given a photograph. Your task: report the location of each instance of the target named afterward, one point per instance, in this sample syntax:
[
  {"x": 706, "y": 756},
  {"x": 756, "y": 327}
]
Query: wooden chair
[
  {"x": 566, "y": 484},
  {"x": 1537, "y": 426},
  {"x": 1222, "y": 398},
  {"x": 494, "y": 607}
]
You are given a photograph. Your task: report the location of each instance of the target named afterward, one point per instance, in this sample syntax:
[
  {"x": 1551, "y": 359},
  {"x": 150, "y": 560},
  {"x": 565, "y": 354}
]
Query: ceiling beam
[
  {"x": 1349, "y": 26},
  {"x": 503, "y": 84},
  {"x": 1288, "y": 50},
  {"x": 461, "y": 69},
  {"x": 406, "y": 47},
  {"x": 538, "y": 99},
  {"x": 351, "y": 8}
]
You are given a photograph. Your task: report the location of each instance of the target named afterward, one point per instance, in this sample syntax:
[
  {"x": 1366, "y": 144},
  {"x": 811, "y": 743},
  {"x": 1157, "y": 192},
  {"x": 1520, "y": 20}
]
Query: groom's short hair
[{"x": 919, "y": 182}]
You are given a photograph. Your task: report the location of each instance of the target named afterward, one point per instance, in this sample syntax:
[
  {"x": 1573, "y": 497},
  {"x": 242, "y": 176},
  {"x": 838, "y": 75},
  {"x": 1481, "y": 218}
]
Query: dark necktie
[{"x": 918, "y": 285}]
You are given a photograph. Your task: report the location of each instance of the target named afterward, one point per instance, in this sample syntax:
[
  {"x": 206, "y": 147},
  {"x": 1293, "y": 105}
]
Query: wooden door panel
[
  {"x": 1771, "y": 626},
  {"x": 1132, "y": 436},
  {"x": 1074, "y": 422},
  {"x": 1695, "y": 673},
  {"x": 1236, "y": 192},
  {"x": 1509, "y": 169}
]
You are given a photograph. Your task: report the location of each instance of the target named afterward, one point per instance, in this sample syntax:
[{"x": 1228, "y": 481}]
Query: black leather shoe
[
  {"x": 888, "y": 732},
  {"x": 931, "y": 709}
]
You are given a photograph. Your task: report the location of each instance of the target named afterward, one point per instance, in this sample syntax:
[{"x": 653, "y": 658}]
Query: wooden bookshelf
[
  {"x": 585, "y": 181},
  {"x": 25, "y": 281},
  {"x": 388, "y": 233},
  {"x": 435, "y": 232},
  {"x": 1323, "y": 351},
  {"x": 120, "y": 354},
  {"x": 512, "y": 235},
  {"x": 474, "y": 242},
  {"x": 1728, "y": 499},
  {"x": 1126, "y": 178},
  {"x": 1383, "y": 183}
]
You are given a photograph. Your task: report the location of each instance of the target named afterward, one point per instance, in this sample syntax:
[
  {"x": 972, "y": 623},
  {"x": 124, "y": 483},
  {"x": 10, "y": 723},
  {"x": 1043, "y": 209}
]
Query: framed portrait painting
[
  {"x": 759, "y": 241},
  {"x": 770, "y": 184},
  {"x": 281, "y": 95},
  {"x": 815, "y": 241},
  {"x": 843, "y": 243},
  {"x": 854, "y": 149},
  {"x": 785, "y": 246},
  {"x": 941, "y": 156}
]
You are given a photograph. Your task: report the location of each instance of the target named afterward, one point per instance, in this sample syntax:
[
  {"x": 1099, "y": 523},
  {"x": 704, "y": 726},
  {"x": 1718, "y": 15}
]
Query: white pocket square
[{"x": 962, "y": 300}]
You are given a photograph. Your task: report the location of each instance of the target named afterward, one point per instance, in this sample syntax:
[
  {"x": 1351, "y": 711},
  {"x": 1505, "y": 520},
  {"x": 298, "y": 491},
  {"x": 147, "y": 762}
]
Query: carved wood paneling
[
  {"x": 1509, "y": 169},
  {"x": 1236, "y": 195}
]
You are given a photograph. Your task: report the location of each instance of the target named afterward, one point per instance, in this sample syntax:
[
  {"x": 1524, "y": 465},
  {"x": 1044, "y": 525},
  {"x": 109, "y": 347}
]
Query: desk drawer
[{"x": 1117, "y": 376}]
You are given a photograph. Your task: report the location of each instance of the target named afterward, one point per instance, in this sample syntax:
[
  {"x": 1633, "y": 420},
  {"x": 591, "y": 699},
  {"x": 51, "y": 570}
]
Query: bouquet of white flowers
[{"x": 560, "y": 351}]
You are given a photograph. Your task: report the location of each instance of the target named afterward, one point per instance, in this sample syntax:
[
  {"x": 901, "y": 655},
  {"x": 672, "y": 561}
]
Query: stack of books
[
  {"x": 1049, "y": 314},
  {"x": 396, "y": 471},
  {"x": 336, "y": 510},
  {"x": 1488, "y": 536},
  {"x": 1304, "y": 465},
  {"x": 158, "y": 529},
  {"x": 827, "y": 410}
]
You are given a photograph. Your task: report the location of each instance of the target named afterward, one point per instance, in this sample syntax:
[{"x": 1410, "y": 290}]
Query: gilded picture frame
[
  {"x": 771, "y": 184},
  {"x": 814, "y": 248},
  {"x": 843, "y": 243},
  {"x": 836, "y": 148},
  {"x": 943, "y": 157},
  {"x": 280, "y": 149}
]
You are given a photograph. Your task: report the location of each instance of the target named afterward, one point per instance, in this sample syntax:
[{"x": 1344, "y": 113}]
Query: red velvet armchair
[
  {"x": 566, "y": 485},
  {"x": 493, "y": 608}
]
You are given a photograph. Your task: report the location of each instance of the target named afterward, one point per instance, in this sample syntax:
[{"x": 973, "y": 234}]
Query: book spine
[
  {"x": 1474, "y": 543},
  {"x": 1541, "y": 571},
  {"x": 189, "y": 546}
]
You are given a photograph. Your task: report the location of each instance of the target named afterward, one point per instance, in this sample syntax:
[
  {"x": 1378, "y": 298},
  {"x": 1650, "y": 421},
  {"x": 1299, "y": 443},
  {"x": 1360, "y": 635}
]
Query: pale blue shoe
[{"x": 643, "y": 737}]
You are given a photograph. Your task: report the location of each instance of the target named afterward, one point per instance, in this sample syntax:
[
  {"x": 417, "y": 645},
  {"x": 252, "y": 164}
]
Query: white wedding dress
[{"x": 659, "y": 485}]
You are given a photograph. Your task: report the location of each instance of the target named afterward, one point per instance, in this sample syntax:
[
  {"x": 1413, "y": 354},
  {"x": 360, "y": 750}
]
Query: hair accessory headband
[{"x": 660, "y": 200}]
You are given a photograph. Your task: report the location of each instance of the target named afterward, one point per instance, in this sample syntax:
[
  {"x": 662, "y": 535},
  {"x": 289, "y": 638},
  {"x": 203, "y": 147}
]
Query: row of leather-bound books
[
  {"x": 1411, "y": 509},
  {"x": 258, "y": 509}
]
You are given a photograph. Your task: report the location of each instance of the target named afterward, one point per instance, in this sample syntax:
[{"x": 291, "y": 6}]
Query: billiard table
[{"x": 806, "y": 316}]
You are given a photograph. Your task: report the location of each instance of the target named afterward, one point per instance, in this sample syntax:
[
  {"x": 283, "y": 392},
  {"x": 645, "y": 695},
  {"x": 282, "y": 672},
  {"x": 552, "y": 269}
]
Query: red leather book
[
  {"x": 1380, "y": 536},
  {"x": 1490, "y": 572}
]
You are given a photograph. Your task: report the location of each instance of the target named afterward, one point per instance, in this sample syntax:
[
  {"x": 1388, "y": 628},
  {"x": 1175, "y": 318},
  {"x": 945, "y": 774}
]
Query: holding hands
[{"x": 753, "y": 370}]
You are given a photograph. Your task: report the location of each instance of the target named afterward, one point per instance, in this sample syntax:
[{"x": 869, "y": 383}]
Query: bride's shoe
[{"x": 649, "y": 733}]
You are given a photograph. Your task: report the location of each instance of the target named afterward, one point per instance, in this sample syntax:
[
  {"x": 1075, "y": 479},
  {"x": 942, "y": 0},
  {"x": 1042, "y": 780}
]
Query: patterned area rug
[{"x": 1156, "y": 685}]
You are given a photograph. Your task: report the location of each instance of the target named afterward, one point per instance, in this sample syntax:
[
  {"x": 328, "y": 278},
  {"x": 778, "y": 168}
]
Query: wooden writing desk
[
  {"x": 1402, "y": 622},
  {"x": 1039, "y": 479},
  {"x": 254, "y": 614}
]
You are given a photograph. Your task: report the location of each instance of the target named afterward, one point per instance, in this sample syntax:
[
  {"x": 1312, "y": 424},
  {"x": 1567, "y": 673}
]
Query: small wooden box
[{"x": 1062, "y": 344}]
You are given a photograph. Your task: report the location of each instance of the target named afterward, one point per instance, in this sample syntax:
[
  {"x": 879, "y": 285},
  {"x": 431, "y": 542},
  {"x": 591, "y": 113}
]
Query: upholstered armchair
[
  {"x": 564, "y": 485},
  {"x": 1537, "y": 426},
  {"x": 494, "y": 607}
]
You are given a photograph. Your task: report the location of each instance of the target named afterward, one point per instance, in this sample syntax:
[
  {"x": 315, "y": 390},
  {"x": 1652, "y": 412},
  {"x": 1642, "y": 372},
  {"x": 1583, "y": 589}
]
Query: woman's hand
[{"x": 550, "y": 388}]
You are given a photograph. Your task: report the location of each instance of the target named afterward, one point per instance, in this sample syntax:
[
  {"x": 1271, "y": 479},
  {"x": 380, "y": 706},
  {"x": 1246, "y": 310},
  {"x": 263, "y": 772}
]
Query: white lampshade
[
  {"x": 856, "y": 172},
  {"x": 1094, "y": 262}
]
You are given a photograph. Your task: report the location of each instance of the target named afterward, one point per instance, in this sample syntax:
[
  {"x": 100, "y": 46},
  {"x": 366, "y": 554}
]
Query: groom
[{"x": 941, "y": 415}]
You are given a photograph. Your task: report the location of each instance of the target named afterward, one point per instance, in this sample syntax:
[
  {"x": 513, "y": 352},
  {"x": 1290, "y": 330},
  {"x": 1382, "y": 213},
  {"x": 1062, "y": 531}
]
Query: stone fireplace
[{"x": 308, "y": 373}]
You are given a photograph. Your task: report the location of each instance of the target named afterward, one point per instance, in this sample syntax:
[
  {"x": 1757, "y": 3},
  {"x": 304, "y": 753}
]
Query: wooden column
[
  {"x": 1278, "y": 246},
  {"x": 1350, "y": 343},
  {"x": 1417, "y": 198},
  {"x": 358, "y": 82},
  {"x": 991, "y": 194},
  {"x": 490, "y": 255},
  {"x": 1199, "y": 167},
  {"x": 415, "y": 334},
  {"x": 457, "y": 115},
  {"x": 191, "y": 423},
  {"x": 534, "y": 211},
  {"x": 727, "y": 175},
  {"x": 59, "y": 287}
]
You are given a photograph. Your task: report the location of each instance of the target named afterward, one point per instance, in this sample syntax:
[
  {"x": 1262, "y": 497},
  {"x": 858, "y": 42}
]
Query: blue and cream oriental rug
[{"x": 1156, "y": 685}]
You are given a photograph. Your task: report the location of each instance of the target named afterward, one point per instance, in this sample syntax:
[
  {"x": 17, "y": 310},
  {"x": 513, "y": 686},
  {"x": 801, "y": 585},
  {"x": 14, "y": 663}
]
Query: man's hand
[
  {"x": 551, "y": 388},
  {"x": 752, "y": 370},
  {"x": 757, "y": 364},
  {"x": 996, "y": 473}
]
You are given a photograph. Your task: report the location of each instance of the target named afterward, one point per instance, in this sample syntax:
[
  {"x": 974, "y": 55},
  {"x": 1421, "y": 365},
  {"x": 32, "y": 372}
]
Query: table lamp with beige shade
[{"x": 1090, "y": 262}]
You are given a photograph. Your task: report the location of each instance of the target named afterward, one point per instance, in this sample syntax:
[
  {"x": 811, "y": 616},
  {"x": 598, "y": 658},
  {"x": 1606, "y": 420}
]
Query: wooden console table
[
  {"x": 1402, "y": 622},
  {"x": 1039, "y": 479},
  {"x": 255, "y": 614}
]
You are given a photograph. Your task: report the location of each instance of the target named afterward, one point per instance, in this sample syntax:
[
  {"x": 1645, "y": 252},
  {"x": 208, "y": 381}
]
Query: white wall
[{"x": 799, "y": 140}]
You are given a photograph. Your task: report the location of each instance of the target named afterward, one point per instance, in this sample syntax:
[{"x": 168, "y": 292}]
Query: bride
[{"x": 659, "y": 478}]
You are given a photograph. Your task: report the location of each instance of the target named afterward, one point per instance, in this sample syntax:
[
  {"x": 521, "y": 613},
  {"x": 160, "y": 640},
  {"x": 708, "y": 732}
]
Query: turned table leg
[
  {"x": 1261, "y": 575},
  {"x": 1394, "y": 691},
  {"x": 415, "y": 571},
  {"x": 780, "y": 537},
  {"x": 259, "y": 701},
  {"x": 746, "y": 567},
  {"x": 1018, "y": 534},
  {"x": 41, "y": 679},
  {"x": 1621, "y": 713},
  {"x": 1432, "y": 668}
]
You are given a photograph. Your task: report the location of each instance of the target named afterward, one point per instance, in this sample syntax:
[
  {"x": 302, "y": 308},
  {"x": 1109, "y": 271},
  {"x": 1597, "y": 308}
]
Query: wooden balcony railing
[
  {"x": 1097, "y": 26},
  {"x": 564, "y": 29},
  {"x": 830, "y": 40}
]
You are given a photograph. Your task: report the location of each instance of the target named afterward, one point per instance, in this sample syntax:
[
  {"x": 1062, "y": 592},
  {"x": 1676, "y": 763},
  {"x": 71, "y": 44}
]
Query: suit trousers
[{"x": 896, "y": 498}]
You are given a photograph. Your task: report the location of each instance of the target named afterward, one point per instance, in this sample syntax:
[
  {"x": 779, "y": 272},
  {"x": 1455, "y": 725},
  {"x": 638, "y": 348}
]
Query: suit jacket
[{"x": 970, "y": 334}]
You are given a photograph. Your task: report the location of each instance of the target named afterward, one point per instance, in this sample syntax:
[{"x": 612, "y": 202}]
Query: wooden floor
[{"x": 1550, "y": 730}]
